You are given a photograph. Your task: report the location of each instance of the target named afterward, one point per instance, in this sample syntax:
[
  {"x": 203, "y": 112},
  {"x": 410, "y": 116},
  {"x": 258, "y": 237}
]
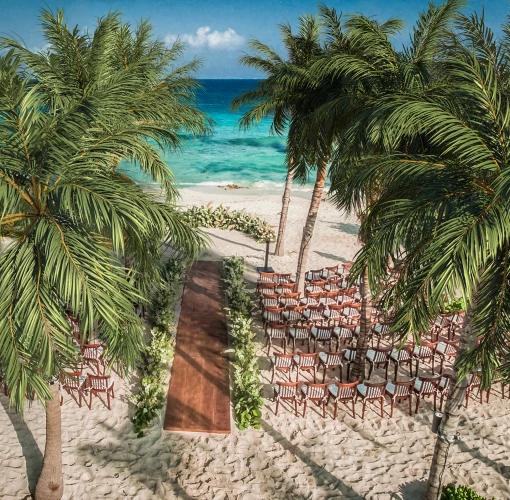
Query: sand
[{"x": 289, "y": 458}]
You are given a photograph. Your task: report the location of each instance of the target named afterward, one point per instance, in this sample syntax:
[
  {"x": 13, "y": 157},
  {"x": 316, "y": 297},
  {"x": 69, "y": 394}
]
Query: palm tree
[
  {"x": 278, "y": 97},
  {"x": 363, "y": 69},
  {"x": 443, "y": 209},
  {"x": 71, "y": 217},
  {"x": 81, "y": 67}
]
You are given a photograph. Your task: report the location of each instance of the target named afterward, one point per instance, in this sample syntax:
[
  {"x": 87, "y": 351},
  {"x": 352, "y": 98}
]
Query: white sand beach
[{"x": 289, "y": 458}]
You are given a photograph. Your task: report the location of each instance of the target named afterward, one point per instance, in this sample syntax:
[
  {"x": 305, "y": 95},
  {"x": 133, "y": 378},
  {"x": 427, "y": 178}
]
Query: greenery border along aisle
[
  {"x": 247, "y": 387},
  {"x": 154, "y": 366},
  {"x": 237, "y": 220}
]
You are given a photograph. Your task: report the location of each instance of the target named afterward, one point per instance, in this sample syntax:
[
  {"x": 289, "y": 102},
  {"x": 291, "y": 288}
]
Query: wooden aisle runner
[{"x": 198, "y": 394}]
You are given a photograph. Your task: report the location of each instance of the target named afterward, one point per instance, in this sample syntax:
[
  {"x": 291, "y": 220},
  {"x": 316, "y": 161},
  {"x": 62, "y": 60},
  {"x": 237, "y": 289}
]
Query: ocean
[{"x": 252, "y": 159}]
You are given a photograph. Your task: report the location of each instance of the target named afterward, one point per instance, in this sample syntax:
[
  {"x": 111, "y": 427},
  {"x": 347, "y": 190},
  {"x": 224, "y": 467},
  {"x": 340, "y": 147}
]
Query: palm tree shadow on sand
[{"x": 29, "y": 447}]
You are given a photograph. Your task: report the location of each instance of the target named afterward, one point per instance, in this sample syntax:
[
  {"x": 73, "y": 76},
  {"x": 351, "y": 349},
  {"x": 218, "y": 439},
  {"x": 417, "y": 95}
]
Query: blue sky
[{"x": 216, "y": 30}]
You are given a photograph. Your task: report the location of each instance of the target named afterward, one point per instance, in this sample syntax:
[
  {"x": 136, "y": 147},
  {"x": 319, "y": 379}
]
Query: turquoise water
[{"x": 228, "y": 156}]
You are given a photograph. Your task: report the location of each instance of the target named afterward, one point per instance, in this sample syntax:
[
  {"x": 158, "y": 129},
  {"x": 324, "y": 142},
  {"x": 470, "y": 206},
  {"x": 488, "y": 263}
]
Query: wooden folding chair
[
  {"x": 316, "y": 393},
  {"x": 371, "y": 392},
  {"x": 426, "y": 386},
  {"x": 343, "y": 393},
  {"x": 307, "y": 363},
  {"x": 400, "y": 391},
  {"x": 97, "y": 384},
  {"x": 281, "y": 363},
  {"x": 286, "y": 391}
]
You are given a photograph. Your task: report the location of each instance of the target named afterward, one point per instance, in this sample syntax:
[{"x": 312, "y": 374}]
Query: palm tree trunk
[
  {"x": 50, "y": 485},
  {"x": 358, "y": 370},
  {"x": 280, "y": 242},
  {"x": 452, "y": 413},
  {"x": 310, "y": 224}
]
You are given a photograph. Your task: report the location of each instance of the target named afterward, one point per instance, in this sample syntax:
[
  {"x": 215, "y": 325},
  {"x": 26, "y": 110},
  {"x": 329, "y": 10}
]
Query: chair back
[
  {"x": 270, "y": 300},
  {"x": 333, "y": 358},
  {"x": 429, "y": 385},
  {"x": 283, "y": 360},
  {"x": 382, "y": 354},
  {"x": 290, "y": 298},
  {"x": 316, "y": 312},
  {"x": 98, "y": 382},
  {"x": 71, "y": 380},
  {"x": 287, "y": 390},
  {"x": 266, "y": 277},
  {"x": 314, "y": 275},
  {"x": 346, "y": 390},
  {"x": 322, "y": 332},
  {"x": 311, "y": 296},
  {"x": 315, "y": 392},
  {"x": 317, "y": 286},
  {"x": 306, "y": 359},
  {"x": 265, "y": 288},
  {"x": 375, "y": 389},
  {"x": 404, "y": 353},
  {"x": 276, "y": 330},
  {"x": 287, "y": 287},
  {"x": 403, "y": 388},
  {"x": 426, "y": 349},
  {"x": 91, "y": 351},
  {"x": 273, "y": 314},
  {"x": 346, "y": 268},
  {"x": 448, "y": 347},
  {"x": 281, "y": 278},
  {"x": 301, "y": 331},
  {"x": 334, "y": 283},
  {"x": 330, "y": 271},
  {"x": 331, "y": 298},
  {"x": 345, "y": 331}
]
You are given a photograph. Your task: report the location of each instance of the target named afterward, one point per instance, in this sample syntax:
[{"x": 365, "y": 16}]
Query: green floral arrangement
[
  {"x": 237, "y": 220},
  {"x": 247, "y": 388},
  {"x": 158, "y": 352},
  {"x": 452, "y": 492}
]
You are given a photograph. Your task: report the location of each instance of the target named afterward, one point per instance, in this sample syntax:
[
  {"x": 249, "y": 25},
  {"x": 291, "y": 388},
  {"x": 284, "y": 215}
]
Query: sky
[{"x": 216, "y": 31}]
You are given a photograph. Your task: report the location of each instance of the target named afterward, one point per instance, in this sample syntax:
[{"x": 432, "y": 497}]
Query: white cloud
[{"x": 227, "y": 40}]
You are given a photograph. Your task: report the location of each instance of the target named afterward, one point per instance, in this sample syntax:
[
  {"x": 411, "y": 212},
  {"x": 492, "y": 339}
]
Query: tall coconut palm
[
  {"x": 277, "y": 95},
  {"x": 70, "y": 217},
  {"x": 362, "y": 70},
  {"x": 444, "y": 210}
]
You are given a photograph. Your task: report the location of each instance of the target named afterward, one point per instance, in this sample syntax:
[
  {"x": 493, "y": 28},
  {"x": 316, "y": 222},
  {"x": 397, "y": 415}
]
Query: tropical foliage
[
  {"x": 236, "y": 220},
  {"x": 452, "y": 492},
  {"x": 247, "y": 389},
  {"x": 69, "y": 213},
  {"x": 158, "y": 352}
]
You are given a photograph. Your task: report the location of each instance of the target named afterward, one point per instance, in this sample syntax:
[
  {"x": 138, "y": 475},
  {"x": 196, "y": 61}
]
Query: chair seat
[
  {"x": 313, "y": 392},
  {"x": 362, "y": 389},
  {"x": 371, "y": 355},
  {"x": 349, "y": 355},
  {"x": 333, "y": 389},
  {"x": 390, "y": 388}
]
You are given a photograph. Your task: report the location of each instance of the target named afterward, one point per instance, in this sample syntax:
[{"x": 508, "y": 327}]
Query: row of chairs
[
  {"x": 367, "y": 392},
  {"x": 436, "y": 387},
  {"x": 88, "y": 384}
]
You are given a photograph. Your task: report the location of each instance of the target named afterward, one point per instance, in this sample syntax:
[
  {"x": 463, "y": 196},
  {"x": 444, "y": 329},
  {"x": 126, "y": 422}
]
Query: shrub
[
  {"x": 156, "y": 355},
  {"x": 452, "y": 492},
  {"x": 247, "y": 389},
  {"x": 237, "y": 220}
]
